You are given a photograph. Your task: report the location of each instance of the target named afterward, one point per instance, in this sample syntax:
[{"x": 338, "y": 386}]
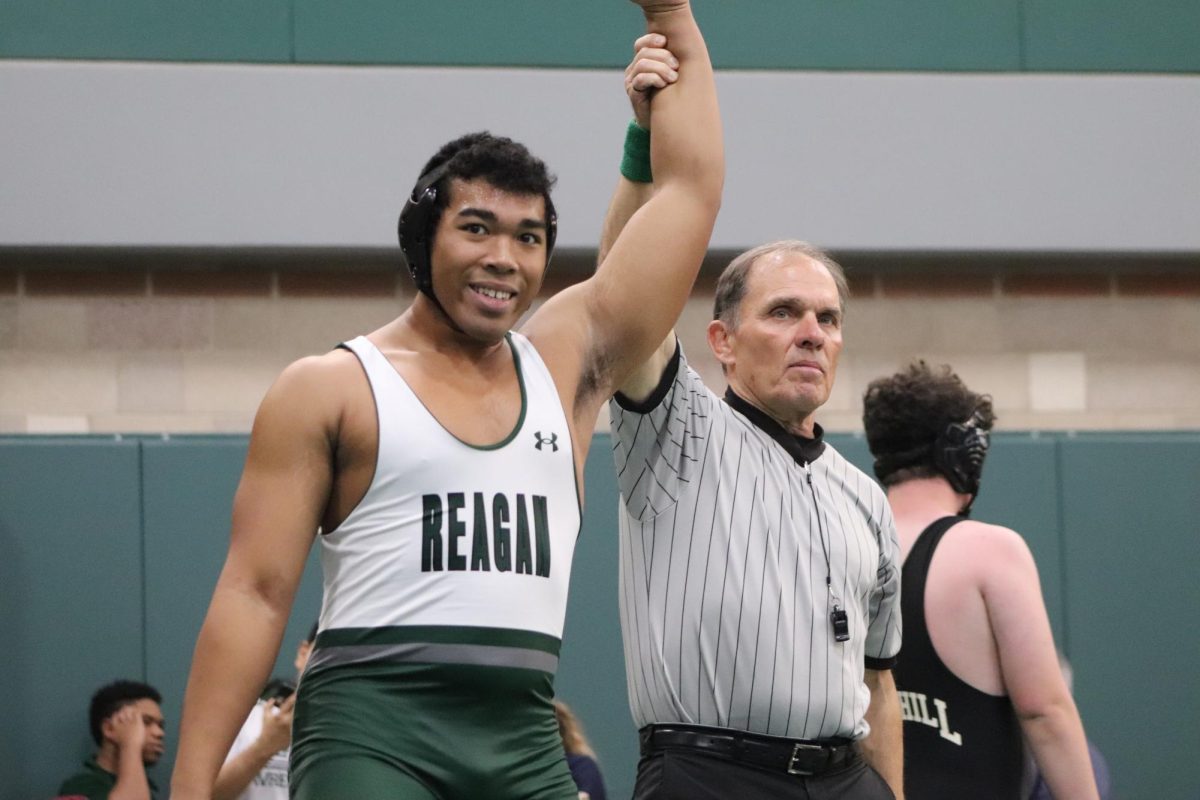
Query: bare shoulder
[
  {"x": 319, "y": 373},
  {"x": 1002, "y": 563},
  {"x": 312, "y": 389},
  {"x": 991, "y": 553},
  {"x": 321, "y": 366},
  {"x": 986, "y": 539}
]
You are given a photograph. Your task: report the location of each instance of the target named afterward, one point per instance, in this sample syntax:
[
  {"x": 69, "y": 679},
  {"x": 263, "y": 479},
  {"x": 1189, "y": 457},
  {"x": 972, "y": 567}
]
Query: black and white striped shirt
[{"x": 725, "y": 521}]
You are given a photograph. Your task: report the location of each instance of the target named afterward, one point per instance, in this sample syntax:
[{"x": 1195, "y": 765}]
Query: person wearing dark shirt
[{"x": 126, "y": 723}]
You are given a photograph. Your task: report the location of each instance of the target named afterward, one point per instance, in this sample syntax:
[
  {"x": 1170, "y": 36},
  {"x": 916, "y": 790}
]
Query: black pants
[{"x": 688, "y": 775}]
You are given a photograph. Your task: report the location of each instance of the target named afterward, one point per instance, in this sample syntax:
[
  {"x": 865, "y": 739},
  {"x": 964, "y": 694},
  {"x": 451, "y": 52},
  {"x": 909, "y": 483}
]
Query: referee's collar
[{"x": 803, "y": 449}]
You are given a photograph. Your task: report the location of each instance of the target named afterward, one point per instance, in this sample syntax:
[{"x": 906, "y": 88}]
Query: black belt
[{"x": 796, "y": 757}]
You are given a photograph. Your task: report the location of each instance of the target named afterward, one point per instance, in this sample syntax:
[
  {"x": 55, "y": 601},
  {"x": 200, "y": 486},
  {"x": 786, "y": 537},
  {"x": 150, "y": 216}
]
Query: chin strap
[{"x": 442, "y": 312}]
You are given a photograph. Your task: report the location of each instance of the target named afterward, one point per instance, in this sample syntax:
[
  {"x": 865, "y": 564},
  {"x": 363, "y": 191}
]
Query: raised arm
[
  {"x": 653, "y": 67},
  {"x": 1029, "y": 666},
  {"x": 619, "y": 316},
  {"x": 276, "y": 513}
]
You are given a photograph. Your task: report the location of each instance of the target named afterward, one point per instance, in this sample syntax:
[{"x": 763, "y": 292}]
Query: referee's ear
[{"x": 720, "y": 341}]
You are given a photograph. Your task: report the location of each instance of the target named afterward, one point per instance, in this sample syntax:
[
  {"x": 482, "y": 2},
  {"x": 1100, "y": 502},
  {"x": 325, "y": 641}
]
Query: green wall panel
[
  {"x": 531, "y": 33},
  {"x": 113, "y": 547},
  {"x": 189, "y": 488},
  {"x": 591, "y": 673},
  {"x": 750, "y": 34},
  {"x": 70, "y": 600},
  {"x": 169, "y": 30},
  {"x": 1132, "y": 513},
  {"x": 986, "y": 35},
  {"x": 863, "y": 34},
  {"x": 1112, "y": 36}
]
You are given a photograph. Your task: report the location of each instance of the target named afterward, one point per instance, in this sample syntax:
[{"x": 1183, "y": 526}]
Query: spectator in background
[
  {"x": 126, "y": 723},
  {"x": 257, "y": 765},
  {"x": 581, "y": 759}
]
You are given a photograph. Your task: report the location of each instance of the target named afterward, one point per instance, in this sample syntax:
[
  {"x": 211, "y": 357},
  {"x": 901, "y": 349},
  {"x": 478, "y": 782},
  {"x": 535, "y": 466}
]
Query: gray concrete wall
[
  {"x": 1108, "y": 352},
  {"x": 235, "y": 155}
]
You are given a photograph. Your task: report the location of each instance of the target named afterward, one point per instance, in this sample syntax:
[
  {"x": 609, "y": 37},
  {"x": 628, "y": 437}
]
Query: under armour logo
[{"x": 551, "y": 440}]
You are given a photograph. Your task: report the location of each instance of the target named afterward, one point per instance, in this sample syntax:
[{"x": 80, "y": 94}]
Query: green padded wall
[
  {"x": 1112, "y": 36},
  {"x": 70, "y": 599},
  {"x": 152, "y": 30},
  {"x": 112, "y": 548},
  {"x": 984, "y": 35},
  {"x": 1131, "y": 511}
]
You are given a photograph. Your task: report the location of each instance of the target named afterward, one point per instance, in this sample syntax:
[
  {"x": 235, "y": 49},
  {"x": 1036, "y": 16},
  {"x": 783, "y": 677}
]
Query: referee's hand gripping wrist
[{"x": 653, "y": 68}]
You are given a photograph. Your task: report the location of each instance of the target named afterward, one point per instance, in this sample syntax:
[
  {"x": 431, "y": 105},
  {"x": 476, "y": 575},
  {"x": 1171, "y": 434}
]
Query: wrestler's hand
[{"x": 653, "y": 68}]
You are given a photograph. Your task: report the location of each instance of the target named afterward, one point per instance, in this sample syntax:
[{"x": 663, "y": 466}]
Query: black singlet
[{"x": 959, "y": 742}]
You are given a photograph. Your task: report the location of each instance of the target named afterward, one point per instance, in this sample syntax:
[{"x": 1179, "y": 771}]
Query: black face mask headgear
[
  {"x": 415, "y": 229},
  {"x": 959, "y": 453}
]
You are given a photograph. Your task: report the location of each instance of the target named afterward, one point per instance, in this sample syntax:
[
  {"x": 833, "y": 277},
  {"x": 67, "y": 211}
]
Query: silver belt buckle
[{"x": 796, "y": 748}]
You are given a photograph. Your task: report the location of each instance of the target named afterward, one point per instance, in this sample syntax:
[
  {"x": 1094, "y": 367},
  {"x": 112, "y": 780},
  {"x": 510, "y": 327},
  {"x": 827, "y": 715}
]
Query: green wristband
[{"x": 635, "y": 165}]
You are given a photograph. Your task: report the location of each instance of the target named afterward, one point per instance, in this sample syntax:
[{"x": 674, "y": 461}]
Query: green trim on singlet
[
  {"x": 524, "y": 405},
  {"x": 438, "y": 634},
  {"x": 490, "y": 648}
]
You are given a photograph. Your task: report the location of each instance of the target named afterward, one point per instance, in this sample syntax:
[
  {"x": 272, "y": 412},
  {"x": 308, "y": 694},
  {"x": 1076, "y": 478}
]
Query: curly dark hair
[
  {"x": 905, "y": 413},
  {"x": 505, "y": 164},
  {"x": 111, "y": 698}
]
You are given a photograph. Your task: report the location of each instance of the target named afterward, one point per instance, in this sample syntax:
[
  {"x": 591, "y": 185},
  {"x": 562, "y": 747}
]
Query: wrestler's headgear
[
  {"x": 417, "y": 221},
  {"x": 957, "y": 453}
]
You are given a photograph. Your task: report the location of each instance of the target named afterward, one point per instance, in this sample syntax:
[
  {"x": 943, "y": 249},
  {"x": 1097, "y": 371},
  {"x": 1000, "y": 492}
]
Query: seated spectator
[
  {"x": 581, "y": 759},
  {"x": 126, "y": 722},
  {"x": 257, "y": 765}
]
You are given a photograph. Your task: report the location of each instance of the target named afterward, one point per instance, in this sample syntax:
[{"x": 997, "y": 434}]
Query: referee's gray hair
[{"x": 731, "y": 286}]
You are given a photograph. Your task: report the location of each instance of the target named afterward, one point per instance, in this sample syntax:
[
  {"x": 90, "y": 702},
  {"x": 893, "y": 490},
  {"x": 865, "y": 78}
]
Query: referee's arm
[{"x": 883, "y": 748}]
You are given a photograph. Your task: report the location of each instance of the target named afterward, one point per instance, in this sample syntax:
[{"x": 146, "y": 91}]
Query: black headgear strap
[
  {"x": 415, "y": 229},
  {"x": 958, "y": 453}
]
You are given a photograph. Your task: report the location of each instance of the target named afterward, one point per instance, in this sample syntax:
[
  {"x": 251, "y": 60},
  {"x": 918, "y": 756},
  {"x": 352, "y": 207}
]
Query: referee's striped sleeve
[
  {"x": 655, "y": 443},
  {"x": 884, "y": 624}
]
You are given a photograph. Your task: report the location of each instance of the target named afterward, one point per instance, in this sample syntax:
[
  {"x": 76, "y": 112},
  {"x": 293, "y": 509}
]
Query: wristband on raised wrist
[{"x": 635, "y": 164}]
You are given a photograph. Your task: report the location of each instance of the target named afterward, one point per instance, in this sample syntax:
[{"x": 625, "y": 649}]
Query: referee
[{"x": 759, "y": 569}]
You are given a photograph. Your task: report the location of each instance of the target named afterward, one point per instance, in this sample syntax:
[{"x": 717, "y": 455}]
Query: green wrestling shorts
[{"x": 429, "y": 712}]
